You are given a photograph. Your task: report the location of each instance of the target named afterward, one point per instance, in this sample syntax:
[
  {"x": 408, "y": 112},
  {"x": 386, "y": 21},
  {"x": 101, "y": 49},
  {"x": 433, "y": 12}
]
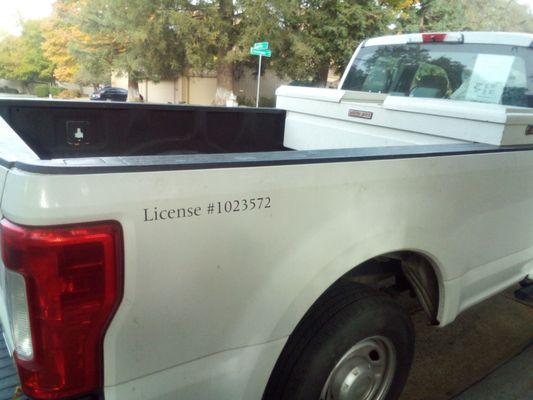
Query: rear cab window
[{"x": 498, "y": 74}]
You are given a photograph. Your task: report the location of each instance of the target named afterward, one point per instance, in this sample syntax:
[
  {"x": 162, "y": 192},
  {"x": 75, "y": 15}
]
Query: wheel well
[{"x": 399, "y": 272}]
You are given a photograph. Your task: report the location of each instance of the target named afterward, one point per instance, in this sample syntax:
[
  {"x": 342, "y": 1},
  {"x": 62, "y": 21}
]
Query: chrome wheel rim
[{"x": 364, "y": 372}]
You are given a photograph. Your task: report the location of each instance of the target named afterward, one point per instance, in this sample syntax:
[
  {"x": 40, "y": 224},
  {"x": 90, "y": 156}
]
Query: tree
[
  {"x": 59, "y": 31},
  {"x": 307, "y": 36},
  {"x": 64, "y": 44},
  {"x": 454, "y": 15},
  {"x": 322, "y": 34},
  {"x": 22, "y": 57},
  {"x": 497, "y": 15},
  {"x": 8, "y": 57},
  {"x": 156, "y": 40},
  {"x": 133, "y": 37},
  {"x": 432, "y": 16}
]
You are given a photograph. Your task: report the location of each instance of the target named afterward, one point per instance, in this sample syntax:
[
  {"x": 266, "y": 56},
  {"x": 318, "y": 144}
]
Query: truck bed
[
  {"x": 149, "y": 137},
  {"x": 124, "y": 129}
]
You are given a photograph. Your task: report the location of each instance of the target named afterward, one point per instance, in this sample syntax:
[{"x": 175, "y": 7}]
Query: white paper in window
[{"x": 489, "y": 77}]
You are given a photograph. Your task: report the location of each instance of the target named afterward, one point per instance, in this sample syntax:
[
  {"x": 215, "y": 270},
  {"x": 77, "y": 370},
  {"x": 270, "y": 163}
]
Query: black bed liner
[{"x": 128, "y": 129}]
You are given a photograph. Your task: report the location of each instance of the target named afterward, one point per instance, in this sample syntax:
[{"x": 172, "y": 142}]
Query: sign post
[
  {"x": 259, "y": 49},
  {"x": 258, "y": 81}
]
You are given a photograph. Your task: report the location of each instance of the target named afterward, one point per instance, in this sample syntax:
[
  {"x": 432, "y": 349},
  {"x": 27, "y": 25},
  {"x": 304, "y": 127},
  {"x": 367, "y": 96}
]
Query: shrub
[
  {"x": 56, "y": 91},
  {"x": 267, "y": 102},
  {"x": 69, "y": 94},
  {"x": 42, "y": 90},
  {"x": 245, "y": 101},
  {"x": 263, "y": 101}
]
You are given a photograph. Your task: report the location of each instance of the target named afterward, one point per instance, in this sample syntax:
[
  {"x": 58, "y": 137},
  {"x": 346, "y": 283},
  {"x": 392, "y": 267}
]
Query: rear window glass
[{"x": 473, "y": 72}]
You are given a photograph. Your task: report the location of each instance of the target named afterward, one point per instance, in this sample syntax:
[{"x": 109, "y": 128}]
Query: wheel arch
[
  {"x": 368, "y": 272},
  {"x": 338, "y": 295},
  {"x": 360, "y": 273},
  {"x": 418, "y": 269}
]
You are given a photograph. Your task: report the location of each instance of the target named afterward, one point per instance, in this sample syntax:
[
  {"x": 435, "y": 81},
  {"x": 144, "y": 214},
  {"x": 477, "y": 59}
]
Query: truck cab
[{"x": 483, "y": 67}]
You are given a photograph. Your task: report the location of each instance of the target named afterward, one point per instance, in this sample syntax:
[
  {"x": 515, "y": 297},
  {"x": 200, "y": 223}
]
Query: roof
[{"x": 505, "y": 38}]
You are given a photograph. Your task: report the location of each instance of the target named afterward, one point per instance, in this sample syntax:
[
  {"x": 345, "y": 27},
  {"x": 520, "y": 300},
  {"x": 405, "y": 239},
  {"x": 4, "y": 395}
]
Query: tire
[{"x": 350, "y": 328}]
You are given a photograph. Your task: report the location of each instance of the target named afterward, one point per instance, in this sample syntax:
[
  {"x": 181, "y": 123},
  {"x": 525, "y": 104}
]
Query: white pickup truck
[{"x": 178, "y": 252}]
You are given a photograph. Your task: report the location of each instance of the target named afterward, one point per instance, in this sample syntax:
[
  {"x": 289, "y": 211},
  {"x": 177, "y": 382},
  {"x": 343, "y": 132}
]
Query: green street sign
[
  {"x": 260, "y": 46},
  {"x": 259, "y": 49},
  {"x": 264, "y": 53}
]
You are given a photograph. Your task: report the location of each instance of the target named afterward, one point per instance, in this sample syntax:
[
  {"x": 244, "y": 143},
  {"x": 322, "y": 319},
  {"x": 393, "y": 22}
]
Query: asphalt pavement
[
  {"x": 486, "y": 354},
  {"x": 511, "y": 381}
]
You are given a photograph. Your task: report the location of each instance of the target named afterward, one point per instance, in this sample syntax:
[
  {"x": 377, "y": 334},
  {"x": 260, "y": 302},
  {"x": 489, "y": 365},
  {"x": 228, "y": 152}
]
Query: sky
[
  {"x": 527, "y": 2},
  {"x": 33, "y": 9},
  {"x": 28, "y": 9}
]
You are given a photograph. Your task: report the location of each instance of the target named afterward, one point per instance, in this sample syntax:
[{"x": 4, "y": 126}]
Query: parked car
[
  {"x": 110, "y": 93},
  {"x": 162, "y": 252}
]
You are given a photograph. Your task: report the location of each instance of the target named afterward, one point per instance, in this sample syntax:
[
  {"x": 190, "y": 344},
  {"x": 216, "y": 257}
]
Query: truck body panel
[
  {"x": 233, "y": 374},
  {"x": 446, "y": 207}
]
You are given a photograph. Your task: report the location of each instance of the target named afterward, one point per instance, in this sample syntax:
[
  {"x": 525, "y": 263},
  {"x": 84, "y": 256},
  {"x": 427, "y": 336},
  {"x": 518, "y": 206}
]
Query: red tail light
[
  {"x": 74, "y": 280},
  {"x": 433, "y": 37},
  {"x": 452, "y": 37}
]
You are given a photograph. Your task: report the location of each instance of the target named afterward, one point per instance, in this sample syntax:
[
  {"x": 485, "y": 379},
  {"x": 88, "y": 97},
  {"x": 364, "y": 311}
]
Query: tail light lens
[
  {"x": 434, "y": 37},
  {"x": 452, "y": 37},
  {"x": 19, "y": 317},
  {"x": 63, "y": 285}
]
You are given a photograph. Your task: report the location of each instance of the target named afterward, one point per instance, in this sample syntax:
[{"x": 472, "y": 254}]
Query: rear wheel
[{"x": 354, "y": 344}]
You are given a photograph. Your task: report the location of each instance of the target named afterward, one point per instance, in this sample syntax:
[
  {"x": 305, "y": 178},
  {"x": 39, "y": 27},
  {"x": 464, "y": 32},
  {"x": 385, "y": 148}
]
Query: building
[{"x": 200, "y": 88}]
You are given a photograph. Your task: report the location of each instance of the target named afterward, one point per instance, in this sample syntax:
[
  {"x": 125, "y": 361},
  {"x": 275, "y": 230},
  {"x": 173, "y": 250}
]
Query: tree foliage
[
  {"x": 22, "y": 57},
  {"x": 497, "y": 15},
  {"x": 307, "y": 37},
  {"x": 432, "y": 15},
  {"x": 59, "y": 32},
  {"x": 453, "y": 15},
  {"x": 320, "y": 35},
  {"x": 8, "y": 48},
  {"x": 134, "y": 37}
]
